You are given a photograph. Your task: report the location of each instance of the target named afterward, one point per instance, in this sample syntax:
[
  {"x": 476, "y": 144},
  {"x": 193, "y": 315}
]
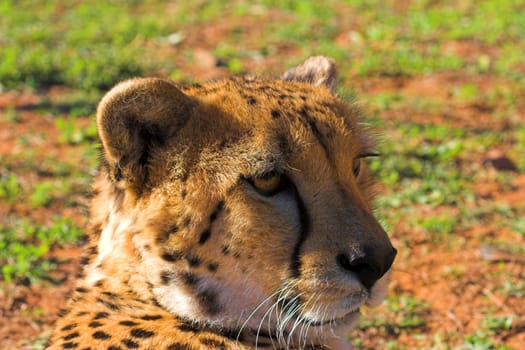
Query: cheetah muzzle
[{"x": 235, "y": 214}]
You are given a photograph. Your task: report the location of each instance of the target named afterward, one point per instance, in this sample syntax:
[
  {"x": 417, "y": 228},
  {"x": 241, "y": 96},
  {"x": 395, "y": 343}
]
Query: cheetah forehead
[{"x": 262, "y": 124}]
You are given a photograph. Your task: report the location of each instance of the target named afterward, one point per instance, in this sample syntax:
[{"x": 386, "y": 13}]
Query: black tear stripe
[
  {"x": 304, "y": 220},
  {"x": 320, "y": 138}
]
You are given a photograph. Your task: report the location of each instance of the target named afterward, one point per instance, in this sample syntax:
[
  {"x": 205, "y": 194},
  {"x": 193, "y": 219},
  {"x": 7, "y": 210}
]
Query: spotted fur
[{"x": 187, "y": 252}]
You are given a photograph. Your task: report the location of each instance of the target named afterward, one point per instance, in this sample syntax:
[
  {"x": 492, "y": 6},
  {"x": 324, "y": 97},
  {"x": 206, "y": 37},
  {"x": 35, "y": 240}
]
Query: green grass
[
  {"x": 74, "y": 50},
  {"x": 71, "y": 133},
  {"x": 80, "y": 52},
  {"x": 424, "y": 170},
  {"x": 514, "y": 289},
  {"x": 481, "y": 340},
  {"x": 32, "y": 181},
  {"x": 402, "y": 313},
  {"x": 438, "y": 225},
  {"x": 495, "y": 323},
  {"x": 23, "y": 247},
  {"x": 9, "y": 187}
]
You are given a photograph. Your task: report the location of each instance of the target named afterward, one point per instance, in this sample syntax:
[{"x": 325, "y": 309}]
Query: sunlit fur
[{"x": 186, "y": 253}]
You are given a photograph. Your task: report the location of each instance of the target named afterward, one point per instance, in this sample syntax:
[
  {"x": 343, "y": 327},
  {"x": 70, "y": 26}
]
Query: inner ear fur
[
  {"x": 135, "y": 118},
  {"x": 317, "y": 70}
]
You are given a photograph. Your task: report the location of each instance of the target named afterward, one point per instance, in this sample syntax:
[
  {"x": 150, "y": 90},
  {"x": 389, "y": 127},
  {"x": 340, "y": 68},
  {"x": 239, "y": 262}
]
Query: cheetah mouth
[{"x": 347, "y": 318}]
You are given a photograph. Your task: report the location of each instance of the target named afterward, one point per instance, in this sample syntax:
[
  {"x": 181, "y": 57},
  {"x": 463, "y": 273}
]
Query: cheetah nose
[{"x": 368, "y": 264}]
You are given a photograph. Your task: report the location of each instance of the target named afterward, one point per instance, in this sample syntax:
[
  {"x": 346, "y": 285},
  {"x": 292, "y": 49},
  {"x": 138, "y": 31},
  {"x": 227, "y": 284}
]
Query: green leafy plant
[
  {"x": 10, "y": 187},
  {"x": 23, "y": 247}
]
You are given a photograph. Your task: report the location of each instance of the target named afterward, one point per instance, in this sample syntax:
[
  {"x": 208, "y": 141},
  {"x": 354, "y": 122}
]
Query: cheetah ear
[
  {"x": 134, "y": 119},
  {"x": 317, "y": 70}
]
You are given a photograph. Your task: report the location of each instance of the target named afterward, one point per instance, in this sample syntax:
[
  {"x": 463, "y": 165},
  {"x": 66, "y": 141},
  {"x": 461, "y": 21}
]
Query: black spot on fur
[
  {"x": 99, "y": 283},
  {"x": 166, "y": 276},
  {"x": 81, "y": 290},
  {"x": 275, "y": 114},
  {"x": 101, "y": 335},
  {"x": 186, "y": 222},
  {"x": 82, "y": 313},
  {"x": 193, "y": 260},
  {"x": 304, "y": 112},
  {"x": 217, "y": 210},
  {"x": 128, "y": 323},
  {"x": 151, "y": 317},
  {"x": 108, "y": 304},
  {"x": 141, "y": 333},
  {"x": 251, "y": 101},
  {"x": 71, "y": 336},
  {"x": 130, "y": 344},
  {"x": 212, "y": 267},
  {"x": 189, "y": 278},
  {"x": 176, "y": 346},
  {"x": 69, "y": 345},
  {"x": 100, "y": 315},
  {"x": 212, "y": 343},
  {"x": 208, "y": 300},
  {"x": 225, "y": 250},
  {"x": 183, "y": 194},
  {"x": 92, "y": 250},
  {"x": 69, "y": 327},
  {"x": 205, "y": 235},
  {"x": 164, "y": 235},
  {"x": 109, "y": 294},
  {"x": 84, "y": 260},
  {"x": 188, "y": 327},
  {"x": 96, "y": 229},
  {"x": 196, "y": 86},
  {"x": 184, "y": 176},
  {"x": 63, "y": 312},
  {"x": 172, "y": 256},
  {"x": 95, "y": 324}
]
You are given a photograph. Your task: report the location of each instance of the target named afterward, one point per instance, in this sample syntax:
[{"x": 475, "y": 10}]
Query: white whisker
[
  {"x": 253, "y": 313},
  {"x": 307, "y": 325}
]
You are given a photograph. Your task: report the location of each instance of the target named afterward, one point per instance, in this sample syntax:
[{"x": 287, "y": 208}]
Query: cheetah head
[{"x": 242, "y": 204}]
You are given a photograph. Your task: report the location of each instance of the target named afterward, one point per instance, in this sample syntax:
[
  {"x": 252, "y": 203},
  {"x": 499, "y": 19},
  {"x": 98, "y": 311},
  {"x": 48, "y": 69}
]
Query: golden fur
[{"x": 230, "y": 215}]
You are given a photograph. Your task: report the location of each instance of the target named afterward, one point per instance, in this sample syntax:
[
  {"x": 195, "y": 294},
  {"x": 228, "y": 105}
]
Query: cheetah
[{"x": 235, "y": 214}]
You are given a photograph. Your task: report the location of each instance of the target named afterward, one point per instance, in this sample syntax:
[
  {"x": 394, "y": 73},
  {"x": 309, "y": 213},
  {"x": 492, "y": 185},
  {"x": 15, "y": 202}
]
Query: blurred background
[{"x": 441, "y": 82}]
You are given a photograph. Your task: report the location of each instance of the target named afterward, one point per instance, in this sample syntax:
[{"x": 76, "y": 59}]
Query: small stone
[
  {"x": 499, "y": 161},
  {"x": 175, "y": 38}
]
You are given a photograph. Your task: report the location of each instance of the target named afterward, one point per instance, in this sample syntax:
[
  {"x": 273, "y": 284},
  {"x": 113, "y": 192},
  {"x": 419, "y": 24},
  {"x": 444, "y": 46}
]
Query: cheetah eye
[
  {"x": 356, "y": 167},
  {"x": 268, "y": 184}
]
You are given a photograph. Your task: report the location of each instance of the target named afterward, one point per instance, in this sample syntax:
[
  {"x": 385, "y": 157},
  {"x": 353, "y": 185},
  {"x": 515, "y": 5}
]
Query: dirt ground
[{"x": 457, "y": 298}]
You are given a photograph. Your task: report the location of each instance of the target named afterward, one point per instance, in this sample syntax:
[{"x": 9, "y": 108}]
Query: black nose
[{"x": 368, "y": 266}]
